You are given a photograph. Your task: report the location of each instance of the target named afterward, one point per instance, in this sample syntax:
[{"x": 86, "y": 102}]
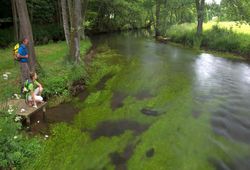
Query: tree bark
[
  {"x": 15, "y": 21},
  {"x": 26, "y": 31},
  {"x": 75, "y": 32},
  {"x": 200, "y": 4},
  {"x": 65, "y": 20},
  {"x": 157, "y": 15},
  {"x": 70, "y": 9}
]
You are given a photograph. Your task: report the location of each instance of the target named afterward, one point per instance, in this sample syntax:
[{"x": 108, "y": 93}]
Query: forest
[{"x": 125, "y": 84}]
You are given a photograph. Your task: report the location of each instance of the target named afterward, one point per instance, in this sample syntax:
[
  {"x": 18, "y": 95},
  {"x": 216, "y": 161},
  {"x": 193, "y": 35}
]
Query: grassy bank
[
  {"x": 56, "y": 75},
  {"x": 224, "y": 37}
]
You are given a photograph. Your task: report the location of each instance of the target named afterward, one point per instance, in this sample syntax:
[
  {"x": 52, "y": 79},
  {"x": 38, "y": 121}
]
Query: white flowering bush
[{"x": 16, "y": 149}]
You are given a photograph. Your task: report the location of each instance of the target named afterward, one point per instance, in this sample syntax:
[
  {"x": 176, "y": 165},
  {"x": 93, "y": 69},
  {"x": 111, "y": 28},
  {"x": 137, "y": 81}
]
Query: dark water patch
[
  {"x": 120, "y": 159},
  {"x": 232, "y": 126},
  {"x": 101, "y": 84},
  {"x": 143, "y": 95},
  {"x": 83, "y": 95},
  {"x": 62, "y": 113},
  {"x": 117, "y": 100},
  {"x": 196, "y": 113},
  {"x": 219, "y": 164},
  {"x": 149, "y": 112},
  {"x": 150, "y": 153},
  {"x": 112, "y": 128}
]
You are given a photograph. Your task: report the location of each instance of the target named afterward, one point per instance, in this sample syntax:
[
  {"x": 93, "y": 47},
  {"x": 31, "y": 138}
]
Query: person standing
[{"x": 23, "y": 57}]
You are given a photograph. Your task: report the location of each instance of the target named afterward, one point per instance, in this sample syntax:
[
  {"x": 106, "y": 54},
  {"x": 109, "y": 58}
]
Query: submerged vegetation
[{"x": 111, "y": 132}]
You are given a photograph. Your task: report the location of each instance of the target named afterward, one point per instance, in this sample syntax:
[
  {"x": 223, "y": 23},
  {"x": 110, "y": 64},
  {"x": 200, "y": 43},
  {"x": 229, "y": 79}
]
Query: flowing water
[{"x": 187, "y": 109}]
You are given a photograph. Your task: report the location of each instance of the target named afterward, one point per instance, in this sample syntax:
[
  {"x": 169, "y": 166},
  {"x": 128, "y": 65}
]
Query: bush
[
  {"x": 55, "y": 86},
  {"x": 44, "y": 34},
  {"x": 221, "y": 40},
  {"x": 216, "y": 38},
  {"x": 184, "y": 34},
  {"x": 16, "y": 149}
]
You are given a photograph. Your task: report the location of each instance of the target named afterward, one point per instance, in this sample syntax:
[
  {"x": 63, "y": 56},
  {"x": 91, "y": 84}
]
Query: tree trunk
[
  {"x": 75, "y": 32},
  {"x": 70, "y": 9},
  {"x": 157, "y": 15},
  {"x": 83, "y": 14},
  {"x": 26, "y": 31},
  {"x": 65, "y": 20},
  {"x": 15, "y": 21},
  {"x": 200, "y": 4},
  {"x": 166, "y": 16}
]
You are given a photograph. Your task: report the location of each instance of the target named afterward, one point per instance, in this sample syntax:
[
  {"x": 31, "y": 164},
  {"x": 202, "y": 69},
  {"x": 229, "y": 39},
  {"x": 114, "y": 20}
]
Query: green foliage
[
  {"x": 16, "y": 149},
  {"x": 217, "y": 38},
  {"x": 55, "y": 86},
  {"x": 235, "y": 10},
  {"x": 42, "y": 11},
  {"x": 105, "y": 16},
  {"x": 183, "y": 33},
  {"x": 6, "y": 37},
  {"x": 221, "y": 40},
  {"x": 43, "y": 34}
]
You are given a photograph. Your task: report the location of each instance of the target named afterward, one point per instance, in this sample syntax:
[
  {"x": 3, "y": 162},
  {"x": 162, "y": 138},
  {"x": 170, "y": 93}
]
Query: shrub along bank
[{"x": 214, "y": 38}]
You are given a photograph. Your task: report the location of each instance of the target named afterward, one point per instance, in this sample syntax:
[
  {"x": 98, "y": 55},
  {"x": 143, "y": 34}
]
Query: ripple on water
[
  {"x": 235, "y": 164},
  {"x": 231, "y": 125}
]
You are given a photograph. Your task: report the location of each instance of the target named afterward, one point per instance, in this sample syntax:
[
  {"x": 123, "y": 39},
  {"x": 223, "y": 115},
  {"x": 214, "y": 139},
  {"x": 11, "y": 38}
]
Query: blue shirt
[{"x": 23, "y": 51}]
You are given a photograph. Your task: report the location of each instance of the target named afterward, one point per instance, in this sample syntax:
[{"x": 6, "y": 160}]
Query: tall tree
[
  {"x": 157, "y": 15},
  {"x": 200, "y": 5},
  {"x": 71, "y": 11},
  {"x": 15, "y": 21},
  {"x": 65, "y": 20},
  {"x": 82, "y": 19},
  {"x": 26, "y": 31},
  {"x": 75, "y": 31}
]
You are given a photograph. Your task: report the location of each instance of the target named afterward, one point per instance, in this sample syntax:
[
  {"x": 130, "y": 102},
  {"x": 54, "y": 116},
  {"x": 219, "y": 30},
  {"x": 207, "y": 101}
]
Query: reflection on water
[
  {"x": 221, "y": 86},
  {"x": 228, "y": 83}
]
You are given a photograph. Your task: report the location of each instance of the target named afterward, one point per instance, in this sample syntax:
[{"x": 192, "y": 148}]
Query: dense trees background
[{"x": 112, "y": 15}]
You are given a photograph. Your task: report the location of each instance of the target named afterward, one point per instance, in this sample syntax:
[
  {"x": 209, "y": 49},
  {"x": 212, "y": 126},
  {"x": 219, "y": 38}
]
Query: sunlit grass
[
  {"x": 228, "y": 37},
  {"x": 235, "y": 26}
]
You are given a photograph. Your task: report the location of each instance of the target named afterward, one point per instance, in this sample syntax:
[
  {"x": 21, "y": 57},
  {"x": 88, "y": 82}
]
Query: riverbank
[
  {"x": 232, "y": 40},
  {"x": 60, "y": 79},
  {"x": 56, "y": 75}
]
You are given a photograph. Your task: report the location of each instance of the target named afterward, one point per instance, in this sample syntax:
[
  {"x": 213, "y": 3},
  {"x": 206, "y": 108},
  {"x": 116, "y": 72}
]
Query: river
[{"x": 186, "y": 109}]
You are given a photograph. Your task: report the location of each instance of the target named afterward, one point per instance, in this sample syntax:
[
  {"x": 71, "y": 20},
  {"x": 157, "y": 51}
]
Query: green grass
[
  {"x": 56, "y": 75},
  {"x": 229, "y": 37}
]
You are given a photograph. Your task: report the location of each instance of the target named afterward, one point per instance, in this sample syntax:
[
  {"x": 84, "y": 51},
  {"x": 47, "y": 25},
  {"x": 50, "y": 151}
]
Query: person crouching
[{"x": 33, "y": 91}]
